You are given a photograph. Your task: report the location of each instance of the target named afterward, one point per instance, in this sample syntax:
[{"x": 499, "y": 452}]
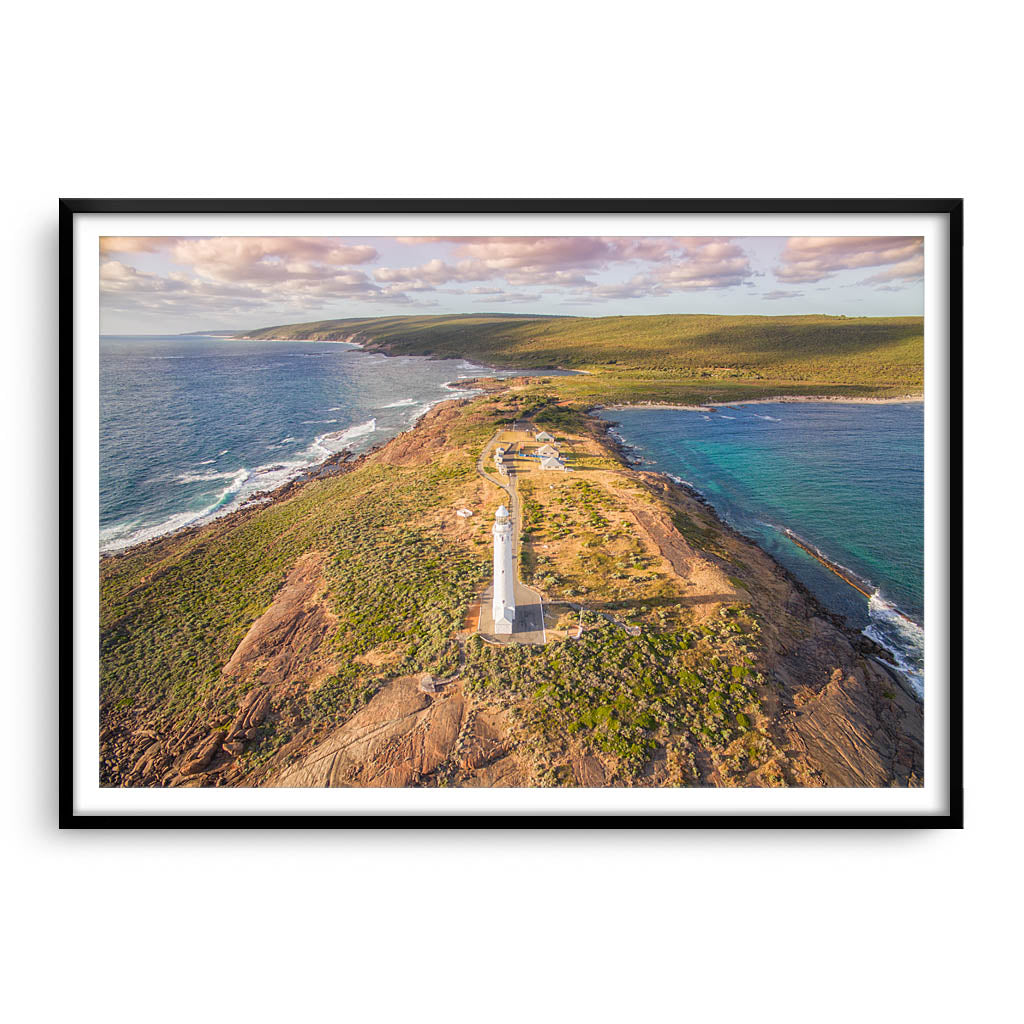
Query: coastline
[
  {"x": 463, "y": 388},
  {"x": 886, "y": 656},
  {"x": 346, "y": 460},
  {"x": 811, "y": 719},
  {"x": 833, "y": 399}
]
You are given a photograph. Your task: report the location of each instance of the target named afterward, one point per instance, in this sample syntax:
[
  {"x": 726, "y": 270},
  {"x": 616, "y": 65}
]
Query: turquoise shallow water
[
  {"x": 847, "y": 479},
  {"x": 191, "y": 427}
]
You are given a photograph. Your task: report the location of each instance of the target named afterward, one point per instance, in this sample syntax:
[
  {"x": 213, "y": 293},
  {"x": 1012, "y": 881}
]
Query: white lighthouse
[{"x": 503, "y": 607}]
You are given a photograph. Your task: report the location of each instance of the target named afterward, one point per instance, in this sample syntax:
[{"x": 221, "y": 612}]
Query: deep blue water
[
  {"x": 190, "y": 427},
  {"x": 847, "y": 479}
]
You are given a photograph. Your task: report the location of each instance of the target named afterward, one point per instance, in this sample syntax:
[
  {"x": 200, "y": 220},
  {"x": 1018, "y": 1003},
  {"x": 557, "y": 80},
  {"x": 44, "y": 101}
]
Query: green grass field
[{"x": 680, "y": 358}]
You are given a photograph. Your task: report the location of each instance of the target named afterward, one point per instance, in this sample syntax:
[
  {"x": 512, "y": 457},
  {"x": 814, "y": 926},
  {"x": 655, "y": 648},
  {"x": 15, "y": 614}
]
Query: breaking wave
[
  {"x": 901, "y": 636},
  {"x": 199, "y": 478},
  {"x": 338, "y": 440},
  {"x": 124, "y": 535}
]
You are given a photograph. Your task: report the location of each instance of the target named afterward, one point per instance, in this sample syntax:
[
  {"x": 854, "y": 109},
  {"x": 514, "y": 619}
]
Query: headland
[{"x": 328, "y": 636}]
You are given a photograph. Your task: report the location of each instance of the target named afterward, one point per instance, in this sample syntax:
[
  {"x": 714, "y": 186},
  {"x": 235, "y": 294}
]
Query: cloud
[
  {"x": 703, "y": 264},
  {"x": 124, "y": 288},
  {"x": 635, "y": 288},
  {"x": 808, "y": 260},
  {"x": 285, "y": 275},
  {"x": 119, "y": 277},
  {"x": 559, "y": 260},
  {"x": 510, "y": 297},
  {"x": 906, "y": 271},
  {"x": 110, "y": 244},
  {"x": 712, "y": 264},
  {"x": 782, "y": 295},
  {"x": 435, "y": 272},
  {"x": 268, "y": 259}
]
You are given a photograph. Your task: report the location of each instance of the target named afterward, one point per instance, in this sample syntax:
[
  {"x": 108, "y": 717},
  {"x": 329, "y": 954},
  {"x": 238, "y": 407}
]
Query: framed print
[{"x": 512, "y": 512}]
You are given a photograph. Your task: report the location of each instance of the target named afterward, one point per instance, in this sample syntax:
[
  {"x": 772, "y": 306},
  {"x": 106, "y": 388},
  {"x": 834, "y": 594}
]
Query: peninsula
[{"x": 345, "y": 632}]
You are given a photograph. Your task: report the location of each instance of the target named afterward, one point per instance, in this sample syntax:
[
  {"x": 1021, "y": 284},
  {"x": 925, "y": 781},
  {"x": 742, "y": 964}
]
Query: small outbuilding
[
  {"x": 464, "y": 513},
  {"x": 543, "y": 436}
]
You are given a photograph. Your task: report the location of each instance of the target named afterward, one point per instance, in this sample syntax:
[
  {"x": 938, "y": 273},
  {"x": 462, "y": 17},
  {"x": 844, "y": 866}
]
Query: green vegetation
[
  {"x": 677, "y": 358},
  {"x": 649, "y": 676},
  {"x": 620, "y": 694},
  {"x": 172, "y": 615}
]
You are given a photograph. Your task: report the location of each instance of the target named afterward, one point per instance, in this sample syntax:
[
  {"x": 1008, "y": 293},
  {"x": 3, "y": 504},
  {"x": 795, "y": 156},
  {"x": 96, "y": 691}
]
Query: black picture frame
[{"x": 952, "y": 208}]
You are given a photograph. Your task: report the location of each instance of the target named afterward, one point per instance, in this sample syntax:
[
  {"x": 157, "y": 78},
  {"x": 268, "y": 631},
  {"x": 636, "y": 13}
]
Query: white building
[
  {"x": 543, "y": 436},
  {"x": 547, "y": 450},
  {"x": 552, "y": 462},
  {"x": 503, "y": 606}
]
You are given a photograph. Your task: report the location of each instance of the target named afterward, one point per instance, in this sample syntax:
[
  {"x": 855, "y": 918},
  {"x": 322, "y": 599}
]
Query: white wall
[{"x": 197, "y": 99}]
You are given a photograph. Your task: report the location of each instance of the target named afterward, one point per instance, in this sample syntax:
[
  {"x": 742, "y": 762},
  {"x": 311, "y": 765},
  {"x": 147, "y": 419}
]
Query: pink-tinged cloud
[
  {"x": 782, "y": 295},
  {"x": 908, "y": 270},
  {"x": 119, "y": 277},
  {"x": 434, "y": 272},
  {"x": 536, "y": 253},
  {"x": 268, "y": 259},
  {"x": 110, "y": 244},
  {"x": 712, "y": 264},
  {"x": 637, "y": 287},
  {"x": 532, "y": 257},
  {"x": 807, "y": 260}
]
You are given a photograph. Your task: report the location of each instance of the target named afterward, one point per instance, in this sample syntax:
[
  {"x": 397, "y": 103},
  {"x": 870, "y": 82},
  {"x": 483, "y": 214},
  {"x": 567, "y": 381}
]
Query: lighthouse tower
[{"x": 504, "y": 605}]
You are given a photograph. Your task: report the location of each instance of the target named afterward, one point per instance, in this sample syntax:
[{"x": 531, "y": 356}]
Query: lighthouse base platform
[{"x": 528, "y": 627}]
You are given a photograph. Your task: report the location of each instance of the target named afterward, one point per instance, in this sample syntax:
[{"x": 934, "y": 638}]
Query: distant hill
[{"x": 872, "y": 352}]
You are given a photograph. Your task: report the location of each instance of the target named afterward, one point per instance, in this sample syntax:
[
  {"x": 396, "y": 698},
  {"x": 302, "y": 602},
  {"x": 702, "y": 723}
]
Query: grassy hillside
[
  {"x": 865, "y": 354},
  {"x": 399, "y": 572}
]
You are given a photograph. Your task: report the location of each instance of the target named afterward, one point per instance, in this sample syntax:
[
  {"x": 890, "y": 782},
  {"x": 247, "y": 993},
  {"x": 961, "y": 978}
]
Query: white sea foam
[
  {"x": 402, "y": 402},
  {"x": 199, "y": 478},
  {"x": 457, "y": 391},
  {"x": 422, "y": 410},
  {"x": 226, "y": 450},
  {"x": 124, "y": 535},
  {"x": 899, "y": 635},
  {"x": 207, "y": 462},
  {"x": 681, "y": 481},
  {"x": 722, "y": 416},
  {"x": 318, "y": 421},
  {"x": 773, "y": 419},
  {"x": 336, "y": 441}
]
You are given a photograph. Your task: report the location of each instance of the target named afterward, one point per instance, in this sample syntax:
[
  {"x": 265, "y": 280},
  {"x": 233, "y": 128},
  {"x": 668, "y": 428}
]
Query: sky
[{"x": 172, "y": 285}]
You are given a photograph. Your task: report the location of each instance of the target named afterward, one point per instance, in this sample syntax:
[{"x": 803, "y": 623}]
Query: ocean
[
  {"x": 846, "y": 479},
  {"x": 193, "y": 426}
]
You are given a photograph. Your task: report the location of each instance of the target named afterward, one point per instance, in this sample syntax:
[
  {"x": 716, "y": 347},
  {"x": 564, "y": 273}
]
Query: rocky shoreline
[{"x": 862, "y": 643}]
